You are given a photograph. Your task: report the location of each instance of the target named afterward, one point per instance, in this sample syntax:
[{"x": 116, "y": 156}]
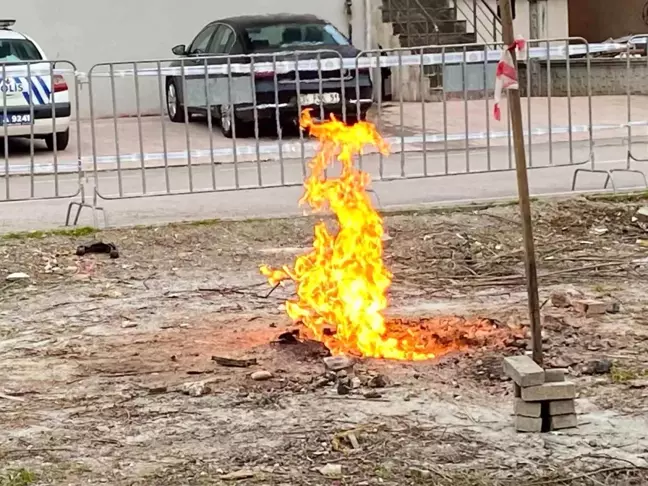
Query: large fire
[{"x": 342, "y": 283}]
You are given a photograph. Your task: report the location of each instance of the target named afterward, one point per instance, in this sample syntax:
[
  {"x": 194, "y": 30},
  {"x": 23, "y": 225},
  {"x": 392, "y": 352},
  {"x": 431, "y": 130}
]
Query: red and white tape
[{"x": 506, "y": 76}]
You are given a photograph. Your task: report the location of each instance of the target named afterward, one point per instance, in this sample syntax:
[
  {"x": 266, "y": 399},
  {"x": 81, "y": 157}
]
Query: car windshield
[
  {"x": 282, "y": 36},
  {"x": 16, "y": 50}
]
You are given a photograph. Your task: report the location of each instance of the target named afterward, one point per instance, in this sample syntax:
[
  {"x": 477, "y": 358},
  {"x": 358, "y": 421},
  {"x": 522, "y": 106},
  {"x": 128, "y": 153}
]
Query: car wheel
[
  {"x": 174, "y": 108},
  {"x": 62, "y": 140},
  {"x": 227, "y": 121}
]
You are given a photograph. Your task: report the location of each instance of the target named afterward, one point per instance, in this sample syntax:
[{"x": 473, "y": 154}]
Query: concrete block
[
  {"x": 562, "y": 407},
  {"x": 527, "y": 409},
  {"x": 338, "y": 363},
  {"x": 549, "y": 391},
  {"x": 590, "y": 307},
  {"x": 524, "y": 371},
  {"x": 517, "y": 390},
  {"x": 555, "y": 376},
  {"x": 559, "y": 422},
  {"x": 528, "y": 424}
]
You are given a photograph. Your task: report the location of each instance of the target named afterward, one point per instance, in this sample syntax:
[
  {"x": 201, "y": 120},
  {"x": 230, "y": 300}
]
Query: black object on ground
[{"x": 98, "y": 247}]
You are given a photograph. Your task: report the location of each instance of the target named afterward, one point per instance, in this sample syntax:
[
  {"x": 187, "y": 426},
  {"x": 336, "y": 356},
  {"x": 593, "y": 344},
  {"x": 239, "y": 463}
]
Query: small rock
[
  {"x": 236, "y": 475},
  {"x": 598, "y": 367},
  {"x": 641, "y": 216},
  {"x": 564, "y": 298},
  {"x": 420, "y": 473},
  {"x": 562, "y": 362},
  {"x": 520, "y": 343},
  {"x": 326, "y": 379},
  {"x": 16, "y": 277},
  {"x": 372, "y": 395},
  {"x": 338, "y": 363},
  {"x": 332, "y": 471},
  {"x": 552, "y": 323},
  {"x": 378, "y": 381},
  {"x": 196, "y": 389},
  {"x": 344, "y": 387},
  {"x": 261, "y": 375},
  {"x": 128, "y": 324},
  {"x": 599, "y": 231},
  {"x": 355, "y": 382}
]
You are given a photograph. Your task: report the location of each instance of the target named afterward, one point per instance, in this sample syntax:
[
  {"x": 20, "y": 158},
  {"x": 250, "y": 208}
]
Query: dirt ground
[{"x": 107, "y": 377}]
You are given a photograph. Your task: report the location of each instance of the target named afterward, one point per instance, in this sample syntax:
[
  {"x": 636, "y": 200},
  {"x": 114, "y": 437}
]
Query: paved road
[{"x": 282, "y": 201}]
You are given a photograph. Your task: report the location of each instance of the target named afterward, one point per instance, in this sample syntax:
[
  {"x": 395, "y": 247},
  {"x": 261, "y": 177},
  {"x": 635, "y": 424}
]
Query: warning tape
[
  {"x": 363, "y": 61},
  {"x": 366, "y": 60}
]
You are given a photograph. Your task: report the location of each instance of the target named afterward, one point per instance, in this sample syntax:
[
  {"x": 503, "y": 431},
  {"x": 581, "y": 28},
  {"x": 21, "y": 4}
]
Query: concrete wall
[
  {"x": 553, "y": 18},
  {"x": 607, "y": 77},
  {"x": 598, "y": 20},
  {"x": 88, "y": 32}
]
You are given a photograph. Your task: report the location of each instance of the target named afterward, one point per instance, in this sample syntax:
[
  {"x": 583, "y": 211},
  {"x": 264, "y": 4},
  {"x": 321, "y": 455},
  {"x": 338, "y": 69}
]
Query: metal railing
[
  {"x": 227, "y": 123},
  {"x": 39, "y": 117},
  {"x": 412, "y": 22},
  {"x": 482, "y": 20}
]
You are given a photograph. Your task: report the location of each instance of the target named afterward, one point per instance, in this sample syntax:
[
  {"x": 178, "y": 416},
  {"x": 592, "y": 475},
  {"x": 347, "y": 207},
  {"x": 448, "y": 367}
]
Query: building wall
[
  {"x": 598, "y": 20},
  {"x": 88, "y": 32}
]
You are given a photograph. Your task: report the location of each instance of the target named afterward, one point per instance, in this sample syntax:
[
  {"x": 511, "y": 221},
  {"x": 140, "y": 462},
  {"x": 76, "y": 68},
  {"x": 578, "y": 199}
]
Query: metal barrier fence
[
  {"x": 632, "y": 85},
  {"x": 158, "y": 135},
  {"x": 39, "y": 106}
]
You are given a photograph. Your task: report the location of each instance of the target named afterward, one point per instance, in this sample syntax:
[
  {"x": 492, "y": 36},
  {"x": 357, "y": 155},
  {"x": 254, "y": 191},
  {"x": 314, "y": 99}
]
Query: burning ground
[{"x": 107, "y": 376}]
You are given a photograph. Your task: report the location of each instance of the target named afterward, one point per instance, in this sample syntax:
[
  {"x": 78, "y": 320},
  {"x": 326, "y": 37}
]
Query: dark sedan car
[{"x": 268, "y": 41}]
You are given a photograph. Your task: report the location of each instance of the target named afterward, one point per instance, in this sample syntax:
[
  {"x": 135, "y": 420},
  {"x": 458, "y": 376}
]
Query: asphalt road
[{"x": 470, "y": 182}]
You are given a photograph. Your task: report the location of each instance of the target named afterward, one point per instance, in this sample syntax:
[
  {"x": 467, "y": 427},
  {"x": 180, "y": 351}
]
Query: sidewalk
[{"x": 476, "y": 117}]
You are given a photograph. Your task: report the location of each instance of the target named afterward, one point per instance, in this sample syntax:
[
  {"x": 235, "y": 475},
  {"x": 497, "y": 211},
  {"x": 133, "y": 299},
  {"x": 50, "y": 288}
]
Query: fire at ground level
[{"x": 107, "y": 371}]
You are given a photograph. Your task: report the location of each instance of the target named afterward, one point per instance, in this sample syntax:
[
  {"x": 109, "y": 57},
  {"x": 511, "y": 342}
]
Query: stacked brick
[{"x": 544, "y": 401}]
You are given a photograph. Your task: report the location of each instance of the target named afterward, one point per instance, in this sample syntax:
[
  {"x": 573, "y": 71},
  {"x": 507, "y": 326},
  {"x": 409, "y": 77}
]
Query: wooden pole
[{"x": 515, "y": 110}]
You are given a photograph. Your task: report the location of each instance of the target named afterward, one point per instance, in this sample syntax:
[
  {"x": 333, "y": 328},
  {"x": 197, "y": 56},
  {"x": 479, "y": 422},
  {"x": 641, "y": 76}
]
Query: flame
[{"x": 342, "y": 283}]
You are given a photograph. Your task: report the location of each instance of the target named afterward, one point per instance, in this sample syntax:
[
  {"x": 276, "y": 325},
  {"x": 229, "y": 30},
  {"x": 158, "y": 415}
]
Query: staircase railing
[
  {"x": 426, "y": 22},
  {"x": 423, "y": 28},
  {"x": 481, "y": 18}
]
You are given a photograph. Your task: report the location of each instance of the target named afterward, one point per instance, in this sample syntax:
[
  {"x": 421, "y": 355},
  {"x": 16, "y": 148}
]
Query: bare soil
[{"x": 107, "y": 377}]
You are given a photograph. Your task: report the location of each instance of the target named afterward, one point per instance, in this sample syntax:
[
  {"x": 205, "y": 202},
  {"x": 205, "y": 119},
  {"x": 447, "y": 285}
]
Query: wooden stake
[{"x": 515, "y": 110}]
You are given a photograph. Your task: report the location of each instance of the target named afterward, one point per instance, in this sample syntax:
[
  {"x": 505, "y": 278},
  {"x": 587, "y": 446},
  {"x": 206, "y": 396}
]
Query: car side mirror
[{"x": 179, "y": 50}]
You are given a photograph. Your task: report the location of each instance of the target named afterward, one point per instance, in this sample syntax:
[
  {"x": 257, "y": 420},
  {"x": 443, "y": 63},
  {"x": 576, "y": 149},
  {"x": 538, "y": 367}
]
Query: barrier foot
[
  {"x": 632, "y": 171},
  {"x": 608, "y": 180},
  {"x": 80, "y": 206},
  {"x": 378, "y": 202},
  {"x": 635, "y": 159}
]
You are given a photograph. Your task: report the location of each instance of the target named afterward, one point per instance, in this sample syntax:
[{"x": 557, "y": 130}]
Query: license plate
[
  {"x": 319, "y": 99},
  {"x": 15, "y": 119}
]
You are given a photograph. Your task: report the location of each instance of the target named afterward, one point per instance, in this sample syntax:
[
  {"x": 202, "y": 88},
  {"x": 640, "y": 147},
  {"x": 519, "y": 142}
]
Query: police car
[{"x": 27, "y": 93}]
